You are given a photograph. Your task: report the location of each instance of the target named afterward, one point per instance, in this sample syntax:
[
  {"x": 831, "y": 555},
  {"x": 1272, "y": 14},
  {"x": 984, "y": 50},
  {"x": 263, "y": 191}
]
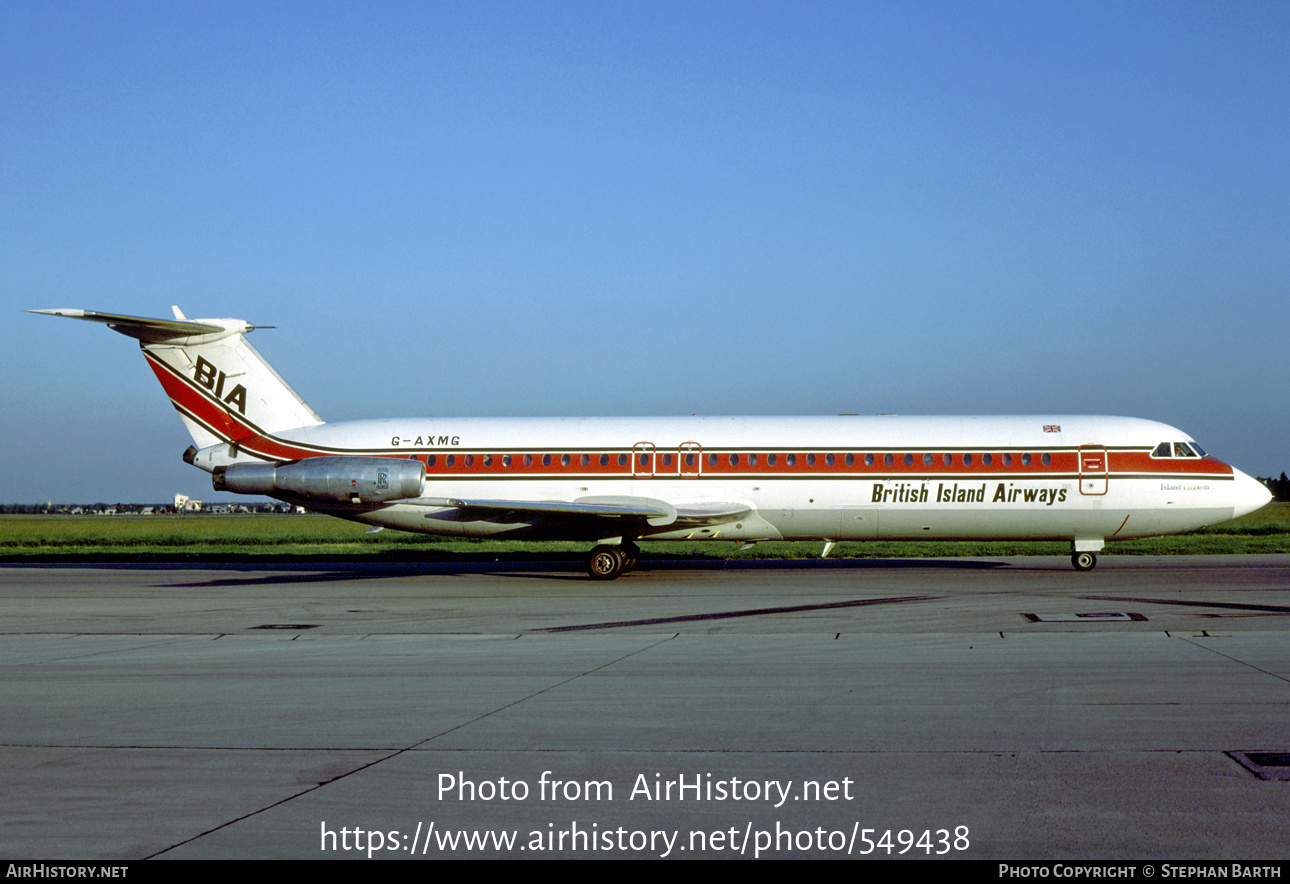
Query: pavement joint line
[{"x": 397, "y": 753}]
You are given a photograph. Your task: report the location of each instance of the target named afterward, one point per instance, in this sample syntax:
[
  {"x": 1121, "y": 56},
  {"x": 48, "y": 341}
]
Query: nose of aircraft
[{"x": 1248, "y": 494}]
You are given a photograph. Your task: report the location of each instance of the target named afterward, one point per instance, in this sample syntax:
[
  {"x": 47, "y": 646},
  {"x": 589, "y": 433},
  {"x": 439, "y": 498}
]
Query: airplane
[{"x": 614, "y": 481}]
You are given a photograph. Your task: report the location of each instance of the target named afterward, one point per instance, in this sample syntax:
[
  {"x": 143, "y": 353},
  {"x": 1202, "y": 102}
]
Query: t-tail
[{"x": 223, "y": 389}]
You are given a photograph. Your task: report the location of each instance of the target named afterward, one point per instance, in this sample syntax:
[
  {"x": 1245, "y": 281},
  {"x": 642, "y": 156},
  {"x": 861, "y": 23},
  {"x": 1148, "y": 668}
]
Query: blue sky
[{"x": 645, "y": 208}]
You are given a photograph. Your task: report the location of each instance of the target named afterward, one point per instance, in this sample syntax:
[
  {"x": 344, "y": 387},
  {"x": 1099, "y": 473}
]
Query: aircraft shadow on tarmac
[{"x": 321, "y": 571}]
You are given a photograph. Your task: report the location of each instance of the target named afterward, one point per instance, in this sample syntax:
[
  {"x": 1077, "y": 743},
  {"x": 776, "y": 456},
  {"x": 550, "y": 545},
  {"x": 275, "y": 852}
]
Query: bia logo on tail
[{"x": 213, "y": 379}]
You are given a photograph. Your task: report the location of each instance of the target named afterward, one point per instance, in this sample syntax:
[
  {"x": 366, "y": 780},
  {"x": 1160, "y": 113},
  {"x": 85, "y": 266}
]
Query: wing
[{"x": 655, "y": 513}]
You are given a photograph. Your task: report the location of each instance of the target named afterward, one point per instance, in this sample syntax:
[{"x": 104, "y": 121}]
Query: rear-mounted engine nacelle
[{"x": 326, "y": 479}]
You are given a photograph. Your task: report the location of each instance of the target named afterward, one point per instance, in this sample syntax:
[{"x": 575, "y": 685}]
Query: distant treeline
[
  {"x": 145, "y": 509},
  {"x": 1280, "y": 488}
]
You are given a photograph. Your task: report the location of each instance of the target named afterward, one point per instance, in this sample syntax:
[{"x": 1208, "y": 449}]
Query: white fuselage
[{"x": 834, "y": 478}]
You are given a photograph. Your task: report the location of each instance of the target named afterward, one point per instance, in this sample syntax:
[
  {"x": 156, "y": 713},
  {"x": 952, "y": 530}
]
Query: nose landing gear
[{"x": 1083, "y": 561}]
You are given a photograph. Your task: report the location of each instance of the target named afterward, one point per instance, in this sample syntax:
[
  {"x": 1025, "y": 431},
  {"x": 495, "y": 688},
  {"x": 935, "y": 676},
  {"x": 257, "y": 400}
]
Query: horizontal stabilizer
[
  {"x": 221, "y": 386},
  {"x": 142, "y": 327}
]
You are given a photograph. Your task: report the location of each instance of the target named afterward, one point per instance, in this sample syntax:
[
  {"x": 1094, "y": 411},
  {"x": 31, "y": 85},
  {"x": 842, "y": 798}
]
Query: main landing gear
[{"x": 607, "y": 561}]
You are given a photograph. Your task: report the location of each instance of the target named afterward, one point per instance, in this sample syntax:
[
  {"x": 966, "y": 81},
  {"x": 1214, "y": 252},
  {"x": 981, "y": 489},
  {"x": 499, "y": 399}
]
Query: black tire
[
  {"x": 606, "y": 562},
  {"x": 1083, "y": 561}
]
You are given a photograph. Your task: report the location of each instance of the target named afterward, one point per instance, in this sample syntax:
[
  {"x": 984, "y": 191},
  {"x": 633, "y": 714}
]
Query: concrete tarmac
[{"x": 986, "y": 708}]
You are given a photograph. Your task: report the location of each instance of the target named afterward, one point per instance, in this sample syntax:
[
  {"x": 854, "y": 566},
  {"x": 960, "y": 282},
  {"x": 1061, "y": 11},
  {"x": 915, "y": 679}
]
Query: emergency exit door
[{"x": 1093, "y": 469}]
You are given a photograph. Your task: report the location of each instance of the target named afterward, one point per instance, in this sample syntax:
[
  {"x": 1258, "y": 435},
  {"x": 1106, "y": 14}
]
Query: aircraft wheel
[
  {"x": 606, "y": 562},
  {"x": 1083, "y": 561}
]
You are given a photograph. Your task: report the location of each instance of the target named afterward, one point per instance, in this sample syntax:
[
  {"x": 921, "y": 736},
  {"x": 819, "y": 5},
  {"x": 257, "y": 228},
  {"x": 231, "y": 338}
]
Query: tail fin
[{"x": 221, "y": 386}]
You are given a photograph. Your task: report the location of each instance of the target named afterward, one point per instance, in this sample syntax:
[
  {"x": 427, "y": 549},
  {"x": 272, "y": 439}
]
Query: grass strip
[{"x": 27, "y": 538}]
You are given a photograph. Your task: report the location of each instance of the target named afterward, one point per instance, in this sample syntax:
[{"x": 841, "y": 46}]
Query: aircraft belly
[
  {"x": 940, "y": 523},
  {"x": 1151, "y": 523},
  {"x": 997, "y": 523},
  {"x": 825, "y": 523}
]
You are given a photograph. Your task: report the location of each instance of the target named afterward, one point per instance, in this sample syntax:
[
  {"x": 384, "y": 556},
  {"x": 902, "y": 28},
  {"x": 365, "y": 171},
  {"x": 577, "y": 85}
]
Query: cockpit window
[{"x": 1178, "y": 449}]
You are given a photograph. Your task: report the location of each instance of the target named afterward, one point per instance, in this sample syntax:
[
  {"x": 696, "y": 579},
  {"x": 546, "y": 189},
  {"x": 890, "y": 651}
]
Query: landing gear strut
[
  {"x": 607, "y": 561},
  {"x": 632, "y": 552}
]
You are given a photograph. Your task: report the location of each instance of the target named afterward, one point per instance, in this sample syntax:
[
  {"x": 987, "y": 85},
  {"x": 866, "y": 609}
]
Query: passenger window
[
  {"x": 986, "y": 460},
  {"x": 791, "y": 460},
  {"x": 528, "y": 460},
  {"x": 564, "y": 460},
  {"x": 851, "y": 460},
  {"x": 546, "y": 460},
  {"x": 927, "y": 460},
  {"x": 1007, "y": 460},
  {"x": 828, "y": 459},
  {"x": 752, "y": 459},
  {"x": 810, "y": 460},
  {"x": 1025, "y": 460},
  {"x": 604, "y": 460},
  {"x": 947, "y": 459},
  {"x": 450, "y": 460},
  {"x": 622, "y": 460},
  {"x": 712, "y": 460},
  {"x": 506, "y": 460},
  {"x": 967, "y": 460},
  {"x": 909, "y": 460},
  {"x": 770, "y": 460},
  {"x": 888, "y": 460},
  {"x": 430, "y": 460},
  {"x": 1046, "y": 460},
  {"x": 868, "y": 460}
]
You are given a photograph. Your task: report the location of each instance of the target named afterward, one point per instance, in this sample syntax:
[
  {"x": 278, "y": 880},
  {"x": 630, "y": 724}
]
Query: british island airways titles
[{"x": 1004, "y": 492}]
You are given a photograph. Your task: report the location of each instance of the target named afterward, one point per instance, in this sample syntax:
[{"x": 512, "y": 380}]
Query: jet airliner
[{"x": 614, "y": 481}]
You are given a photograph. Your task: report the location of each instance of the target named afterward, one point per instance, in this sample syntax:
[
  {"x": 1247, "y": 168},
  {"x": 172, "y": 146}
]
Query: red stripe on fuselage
[{"x": 1062, "y": 466}]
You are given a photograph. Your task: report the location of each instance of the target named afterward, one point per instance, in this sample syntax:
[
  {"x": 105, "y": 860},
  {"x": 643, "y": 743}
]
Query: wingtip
[{"x": 61, "y": 311}]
